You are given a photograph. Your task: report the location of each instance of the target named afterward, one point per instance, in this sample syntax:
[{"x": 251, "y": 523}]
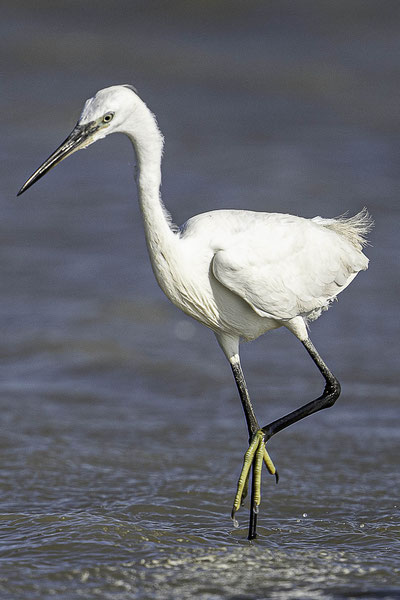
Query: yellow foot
[{"x": 256, "y": 454}]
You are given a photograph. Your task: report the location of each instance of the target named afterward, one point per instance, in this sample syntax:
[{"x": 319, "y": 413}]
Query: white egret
[{"x": 240, "y": 273}]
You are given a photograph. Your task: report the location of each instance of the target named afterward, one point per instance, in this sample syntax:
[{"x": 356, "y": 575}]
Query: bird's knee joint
[{"x": 332, "y": 392}]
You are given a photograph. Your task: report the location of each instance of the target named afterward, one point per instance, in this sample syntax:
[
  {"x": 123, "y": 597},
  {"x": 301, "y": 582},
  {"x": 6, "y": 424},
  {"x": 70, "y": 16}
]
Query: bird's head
[{"x": 112, "y": 110}]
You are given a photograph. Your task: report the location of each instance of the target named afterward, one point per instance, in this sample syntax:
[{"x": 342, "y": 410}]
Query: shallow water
[{"x": 121, "y": 432}]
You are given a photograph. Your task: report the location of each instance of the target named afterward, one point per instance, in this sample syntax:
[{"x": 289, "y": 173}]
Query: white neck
[{"x": 148, "y": 143}]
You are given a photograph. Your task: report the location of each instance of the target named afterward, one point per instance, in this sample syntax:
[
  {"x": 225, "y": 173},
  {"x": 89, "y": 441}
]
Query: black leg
[
  {"x": 252, "y": 426},
  {"x": 258, "y": 437},
  {"x": 327, "y": 399},
  {"x": 252, "y": 423},
  {"x": 253, "y": 514}
]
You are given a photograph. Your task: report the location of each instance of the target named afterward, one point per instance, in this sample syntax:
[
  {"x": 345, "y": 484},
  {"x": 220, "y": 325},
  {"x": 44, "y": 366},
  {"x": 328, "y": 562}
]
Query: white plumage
[
  {"x": 238, "y": 272},
  {"x": 272, "y": 268}
]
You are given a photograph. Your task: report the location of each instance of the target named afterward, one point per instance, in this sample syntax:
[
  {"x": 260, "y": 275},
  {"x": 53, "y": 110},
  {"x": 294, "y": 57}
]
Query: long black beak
[{"x": 78, "y": 138}]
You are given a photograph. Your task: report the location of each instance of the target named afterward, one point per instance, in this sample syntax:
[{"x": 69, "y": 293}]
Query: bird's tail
[{"x": 355, "y": 228}]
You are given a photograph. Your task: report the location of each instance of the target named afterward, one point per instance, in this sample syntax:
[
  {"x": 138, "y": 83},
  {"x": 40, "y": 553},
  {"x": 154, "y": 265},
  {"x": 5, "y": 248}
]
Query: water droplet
[
  {"x": 235, "y": 522},
  {"x": 305, "y": 515},
  {"x": 255, "y": 509}
]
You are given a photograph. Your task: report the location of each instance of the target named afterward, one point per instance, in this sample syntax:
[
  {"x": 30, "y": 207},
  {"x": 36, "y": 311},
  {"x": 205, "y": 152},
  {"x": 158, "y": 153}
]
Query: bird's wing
[{"x": 287, "y": 266}]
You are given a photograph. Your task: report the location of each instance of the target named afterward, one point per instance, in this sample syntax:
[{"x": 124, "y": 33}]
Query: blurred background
[{"x": 122, "y": 434}]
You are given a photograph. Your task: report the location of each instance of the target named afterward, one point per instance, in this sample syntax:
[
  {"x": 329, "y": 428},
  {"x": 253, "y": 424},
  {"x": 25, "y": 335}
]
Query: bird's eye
[{"x": 108, "y": 117}]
